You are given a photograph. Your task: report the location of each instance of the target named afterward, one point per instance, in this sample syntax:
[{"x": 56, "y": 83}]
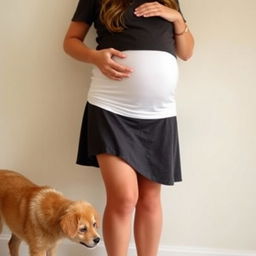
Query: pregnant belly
[{"x": 151, "y": 86}]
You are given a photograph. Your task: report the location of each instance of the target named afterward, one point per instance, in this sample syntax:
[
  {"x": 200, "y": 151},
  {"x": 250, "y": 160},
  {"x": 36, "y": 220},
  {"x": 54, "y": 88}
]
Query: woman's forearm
[
  {"x": 78, "y": 50},
  {"x": 184, "y": 42}
]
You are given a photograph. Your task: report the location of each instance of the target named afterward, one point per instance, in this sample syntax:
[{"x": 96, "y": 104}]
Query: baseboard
[{"x": 67, "y": 248}]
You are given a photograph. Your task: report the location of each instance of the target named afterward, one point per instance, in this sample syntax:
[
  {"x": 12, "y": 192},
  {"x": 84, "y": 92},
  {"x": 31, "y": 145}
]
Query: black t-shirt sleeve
[
  {"x": 85, "y": 11},
  {"x": 179, "y": 10}
]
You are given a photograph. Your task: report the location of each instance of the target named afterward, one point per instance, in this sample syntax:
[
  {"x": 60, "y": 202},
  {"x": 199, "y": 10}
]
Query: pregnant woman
[{"x": 129, "y": 128}]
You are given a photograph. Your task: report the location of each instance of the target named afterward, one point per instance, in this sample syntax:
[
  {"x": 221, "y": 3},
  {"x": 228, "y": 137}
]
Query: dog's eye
[
  {"x": 94, "y": 224},
  {"x": 84, "y": 229}
]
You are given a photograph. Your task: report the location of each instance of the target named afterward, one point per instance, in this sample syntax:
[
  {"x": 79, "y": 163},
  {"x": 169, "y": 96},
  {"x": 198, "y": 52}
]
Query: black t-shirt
[{"x": 142, "y": 33}]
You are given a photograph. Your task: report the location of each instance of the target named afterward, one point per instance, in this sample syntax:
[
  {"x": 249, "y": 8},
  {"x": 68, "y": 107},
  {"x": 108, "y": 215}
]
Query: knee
[
  {"x": 149, "y": 203},
  {"x": 122, "y": 204}
]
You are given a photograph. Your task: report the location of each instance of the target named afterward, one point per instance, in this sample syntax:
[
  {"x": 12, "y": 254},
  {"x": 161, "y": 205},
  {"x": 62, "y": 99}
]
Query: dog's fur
[{"x": 41, "y": 216}]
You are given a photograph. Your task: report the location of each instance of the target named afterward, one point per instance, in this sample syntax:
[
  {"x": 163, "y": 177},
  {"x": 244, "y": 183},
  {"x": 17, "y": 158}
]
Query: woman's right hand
[{"x": 110, "y": 68}]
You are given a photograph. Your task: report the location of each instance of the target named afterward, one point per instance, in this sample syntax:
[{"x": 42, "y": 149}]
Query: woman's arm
[
  {"x": 184, "y": 40},
  {"x": 73, "y": 45},
  {"x": 73, "y": 42}
]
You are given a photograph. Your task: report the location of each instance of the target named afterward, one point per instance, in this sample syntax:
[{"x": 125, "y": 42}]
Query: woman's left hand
[{"x": 151, "y": 9}]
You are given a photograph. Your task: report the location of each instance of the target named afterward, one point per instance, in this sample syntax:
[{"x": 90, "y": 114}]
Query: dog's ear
[{"x": 69, "y": 224}]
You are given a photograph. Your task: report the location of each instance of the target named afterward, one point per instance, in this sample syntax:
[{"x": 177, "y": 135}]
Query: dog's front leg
[
  {"x": 51, "y": 251},
  {"x": 37, "y": 252},
  {"x": 14, "y": 244}
]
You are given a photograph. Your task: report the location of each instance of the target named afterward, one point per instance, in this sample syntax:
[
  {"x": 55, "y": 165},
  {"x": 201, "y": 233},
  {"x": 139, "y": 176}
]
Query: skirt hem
[{"x": 94, "y": 163}]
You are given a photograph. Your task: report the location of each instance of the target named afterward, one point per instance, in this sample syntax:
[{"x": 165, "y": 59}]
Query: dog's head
[{"x": 80, "y": 223}]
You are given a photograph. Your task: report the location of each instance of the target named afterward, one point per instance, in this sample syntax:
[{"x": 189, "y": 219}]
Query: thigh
[{"x": 119, "y": 177}]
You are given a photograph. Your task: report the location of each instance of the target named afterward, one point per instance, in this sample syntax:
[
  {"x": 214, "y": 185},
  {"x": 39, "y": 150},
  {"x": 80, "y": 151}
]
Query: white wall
[{"x": 42, "y": 97}]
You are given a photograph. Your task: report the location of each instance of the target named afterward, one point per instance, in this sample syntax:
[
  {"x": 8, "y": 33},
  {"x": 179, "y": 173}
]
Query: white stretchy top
[{"x": 149, "y": 93}]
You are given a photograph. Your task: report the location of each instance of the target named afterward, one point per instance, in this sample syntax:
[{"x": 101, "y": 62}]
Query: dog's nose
[{"x": 96, "y": 240}]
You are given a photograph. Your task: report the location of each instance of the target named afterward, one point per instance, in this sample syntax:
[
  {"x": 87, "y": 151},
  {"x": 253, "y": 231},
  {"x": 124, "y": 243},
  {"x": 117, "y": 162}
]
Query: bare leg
[
  {"x": 14, "y": 244},
  {"x": 122, "y": 193},
  {"x": 148, "y": 217}
]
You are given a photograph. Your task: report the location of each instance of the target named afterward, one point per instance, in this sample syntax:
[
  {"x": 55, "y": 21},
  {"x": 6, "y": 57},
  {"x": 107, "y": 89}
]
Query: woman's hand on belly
[
  {"x": 151, "y": 9},
  {"x": 110, "y": 68}
]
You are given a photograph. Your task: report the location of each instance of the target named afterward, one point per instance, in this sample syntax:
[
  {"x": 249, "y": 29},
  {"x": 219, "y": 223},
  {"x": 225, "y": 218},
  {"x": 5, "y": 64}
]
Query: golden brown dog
[{"x": 41, "y": 216}]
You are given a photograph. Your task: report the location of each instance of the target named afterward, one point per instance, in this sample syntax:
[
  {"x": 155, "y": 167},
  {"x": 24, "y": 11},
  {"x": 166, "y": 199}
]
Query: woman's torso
[{"x": 150, "y": 48}]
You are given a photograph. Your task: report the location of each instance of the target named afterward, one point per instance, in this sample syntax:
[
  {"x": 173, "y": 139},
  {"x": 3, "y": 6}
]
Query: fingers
[
  {"x": 117, "y": 53},
  {"x": 114, "y": 70},
  {"x": 120, "y": 68},
  {"x": 148, "y": 9},
  {"x": 156, "y": 9}
]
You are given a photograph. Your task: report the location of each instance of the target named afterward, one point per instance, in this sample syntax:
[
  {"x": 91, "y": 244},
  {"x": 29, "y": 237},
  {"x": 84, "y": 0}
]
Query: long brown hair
[{"x": 112, "y": 11}]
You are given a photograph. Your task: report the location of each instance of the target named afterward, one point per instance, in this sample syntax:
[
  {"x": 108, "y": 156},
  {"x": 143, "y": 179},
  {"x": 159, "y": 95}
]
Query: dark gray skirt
[{"x": 149, "y": 146}]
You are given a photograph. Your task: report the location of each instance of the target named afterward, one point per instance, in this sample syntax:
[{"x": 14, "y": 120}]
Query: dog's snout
[{"x": 96, "y": 240}]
